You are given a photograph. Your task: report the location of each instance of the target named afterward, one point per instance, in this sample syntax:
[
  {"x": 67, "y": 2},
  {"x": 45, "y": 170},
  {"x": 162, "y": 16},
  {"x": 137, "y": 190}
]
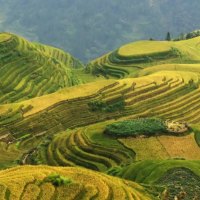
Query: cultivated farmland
[{"x": 55, "y": 112}]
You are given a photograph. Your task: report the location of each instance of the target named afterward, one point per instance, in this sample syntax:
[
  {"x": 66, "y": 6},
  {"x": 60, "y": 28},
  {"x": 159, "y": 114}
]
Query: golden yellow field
[
  {"x": 163, "y": 147},
  {"x": 84, "y": 90},
  {"x": 188, "y": 48},
  {"x": 144, "y": 47},
  {"x": 40, "y": 103},
  {"x": 171, "y": 67},
  {"x": 181, "y": 147},
  {"x": 146, "y": 148},
  {"x": 27, "y": 183}
]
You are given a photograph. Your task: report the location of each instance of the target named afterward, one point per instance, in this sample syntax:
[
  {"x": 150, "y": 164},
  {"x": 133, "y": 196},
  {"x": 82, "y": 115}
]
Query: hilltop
[{"x": 134, "y": 58}]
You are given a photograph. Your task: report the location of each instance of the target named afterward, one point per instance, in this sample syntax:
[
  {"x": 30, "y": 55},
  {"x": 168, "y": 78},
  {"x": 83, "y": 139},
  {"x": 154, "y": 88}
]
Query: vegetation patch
[
  {"x": 57, "y": 180},
  {"x": 181, "y": 183},
  {"x": 143, "y": 126},
  {"x": 98, "y": 105}
]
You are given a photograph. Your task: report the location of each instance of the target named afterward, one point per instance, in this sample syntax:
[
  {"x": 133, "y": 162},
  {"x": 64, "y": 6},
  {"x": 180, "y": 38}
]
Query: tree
[
  {"x": 168, "y": 37},
  {"x": 189, "y": 35},
  {"x": 181, "y": 37}
]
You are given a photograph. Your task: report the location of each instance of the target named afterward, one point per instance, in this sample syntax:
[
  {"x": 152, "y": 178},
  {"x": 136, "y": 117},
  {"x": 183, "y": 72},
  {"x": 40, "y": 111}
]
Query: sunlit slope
[
  {"x": 186, "y": 48},
  {"x": 166, "y": 91},
  {"x": 195, "y": 68},
  {"x": 29, "y": 70},
  {"x": 164, "y": 147},
  {"x": 168, "y": 95},
  {"x": 141, "y": 48},
  {"x": 129, "y": 59},
  {"x": 28, "y": 183}
]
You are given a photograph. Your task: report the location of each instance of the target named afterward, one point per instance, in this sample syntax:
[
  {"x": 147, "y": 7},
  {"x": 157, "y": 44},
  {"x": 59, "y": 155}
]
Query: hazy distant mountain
[{"x": 90, "y": 28}]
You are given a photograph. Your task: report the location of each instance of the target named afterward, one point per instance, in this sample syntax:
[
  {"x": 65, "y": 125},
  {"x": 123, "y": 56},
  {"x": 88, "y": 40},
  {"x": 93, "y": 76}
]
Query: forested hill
[{"x": 90, "y": 28}]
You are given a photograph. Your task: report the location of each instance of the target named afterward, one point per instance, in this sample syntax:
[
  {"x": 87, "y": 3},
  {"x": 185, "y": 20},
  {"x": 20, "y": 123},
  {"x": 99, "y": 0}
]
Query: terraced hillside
[
  {"x": 29, "y": 183},
  {"x": 66, "y": 128},
  {"x": 29, "y": 70},
  {"x": 130, "y": 59},
  {"x": 86, "y": 147},
  {"x": 165, "y": 94},
  {"x": 140, "y": 97}
]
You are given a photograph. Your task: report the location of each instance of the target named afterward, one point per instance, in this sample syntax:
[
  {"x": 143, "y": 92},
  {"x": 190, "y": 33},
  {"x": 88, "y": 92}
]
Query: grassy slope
[{"x": 171, "y": 174}]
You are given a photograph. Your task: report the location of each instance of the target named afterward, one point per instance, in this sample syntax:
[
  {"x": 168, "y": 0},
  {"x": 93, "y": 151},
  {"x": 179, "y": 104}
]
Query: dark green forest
[{"x": 90, "y": 28}]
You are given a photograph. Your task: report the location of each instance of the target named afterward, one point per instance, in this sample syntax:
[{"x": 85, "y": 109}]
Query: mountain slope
[
  {"x": 25, "y": 125},
  {"x": 29, "y": 70},
  {"x": 154, "y": 80}
]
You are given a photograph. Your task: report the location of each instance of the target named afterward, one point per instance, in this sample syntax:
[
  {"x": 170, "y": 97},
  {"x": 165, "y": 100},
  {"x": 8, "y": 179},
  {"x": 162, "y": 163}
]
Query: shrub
[
  {"x": 196, "y": 130},
  {"x": 105, "y": 107},
  {"x": 192, "y": 84},
  {"x": 117, "y": 106},
  {"x": 57, "y": 180},
  {"x": 96, "y": 105},
  {"x": 143, "y": 126}
]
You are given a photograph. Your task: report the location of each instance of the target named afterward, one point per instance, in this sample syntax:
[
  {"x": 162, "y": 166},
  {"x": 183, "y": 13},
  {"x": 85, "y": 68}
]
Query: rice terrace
[{"x": 125, "y": 125}]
